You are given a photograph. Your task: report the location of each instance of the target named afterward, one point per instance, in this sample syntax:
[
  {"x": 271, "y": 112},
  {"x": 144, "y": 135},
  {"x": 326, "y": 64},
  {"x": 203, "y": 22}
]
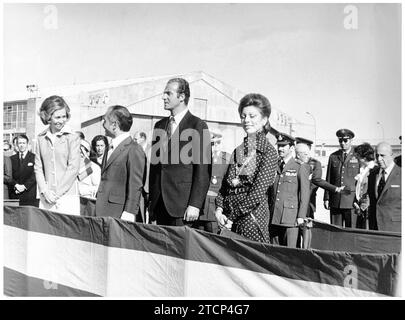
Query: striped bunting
[{"x": 50, "y": 254}]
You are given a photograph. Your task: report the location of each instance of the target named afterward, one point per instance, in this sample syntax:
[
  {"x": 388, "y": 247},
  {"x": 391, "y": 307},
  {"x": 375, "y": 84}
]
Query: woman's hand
[
  {"x": 223, "y": 221},
  {"x": 50, "y": 196}
]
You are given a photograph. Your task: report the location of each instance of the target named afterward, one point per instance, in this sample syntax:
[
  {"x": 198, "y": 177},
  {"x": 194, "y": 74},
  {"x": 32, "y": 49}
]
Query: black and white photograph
[{"x": 203, "y": 151}]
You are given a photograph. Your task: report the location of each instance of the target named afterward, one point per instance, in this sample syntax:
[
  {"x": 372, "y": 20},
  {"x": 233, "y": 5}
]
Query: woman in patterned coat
[{"x": 242, "y": 201}]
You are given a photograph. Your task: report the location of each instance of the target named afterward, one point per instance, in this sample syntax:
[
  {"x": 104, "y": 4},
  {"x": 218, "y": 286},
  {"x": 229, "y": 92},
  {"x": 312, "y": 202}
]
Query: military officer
[
  {"x": 302, "y": 150},
  {"x": 343, "y": 166},
  {"x": 220, "y": 162},
  {"x": 291, "y": 193}
]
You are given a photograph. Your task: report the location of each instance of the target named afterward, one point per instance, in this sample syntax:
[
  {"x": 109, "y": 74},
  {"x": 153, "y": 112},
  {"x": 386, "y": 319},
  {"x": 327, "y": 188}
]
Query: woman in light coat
[{"x": 57, "y": 159}]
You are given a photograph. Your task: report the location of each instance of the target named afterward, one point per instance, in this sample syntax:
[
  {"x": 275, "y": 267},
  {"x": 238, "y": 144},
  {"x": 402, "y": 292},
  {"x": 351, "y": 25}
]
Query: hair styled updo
[{"x": 260, "y": 102}]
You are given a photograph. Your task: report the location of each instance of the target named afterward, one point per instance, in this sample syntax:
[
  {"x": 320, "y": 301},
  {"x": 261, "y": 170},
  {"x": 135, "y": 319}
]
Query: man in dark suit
[
  {"x": 384, "y": 190},
  {"x": 124, "y": 170},
  {"x": 302, "y": 150},
  {"x": 180, "y": 168},
  {"x": 291, "y": 192},
  {"x": 343, "y": 166},
  {"x": 24, "y": 185}
]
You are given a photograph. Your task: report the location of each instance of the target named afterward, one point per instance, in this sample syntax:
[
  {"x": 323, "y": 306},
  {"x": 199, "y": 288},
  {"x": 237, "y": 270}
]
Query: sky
[{"x": 303, "y": 57}]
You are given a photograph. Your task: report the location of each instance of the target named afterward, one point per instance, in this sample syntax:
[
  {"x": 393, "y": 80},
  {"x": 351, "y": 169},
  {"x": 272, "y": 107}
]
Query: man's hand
[
  {"x": 128, "y": 216},
  {"x": 299, "y": 222},
  {"x": 326, "y": 204},
  {"x": 191, "y": 214},
  {"x": 20, "y": 188},
  {"x": 339, "y": 189}
]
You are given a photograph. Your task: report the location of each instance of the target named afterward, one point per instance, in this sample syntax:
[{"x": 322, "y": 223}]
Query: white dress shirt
[
  {"x": 116, "y": 141},
  {"x": 177, "y": 118}
]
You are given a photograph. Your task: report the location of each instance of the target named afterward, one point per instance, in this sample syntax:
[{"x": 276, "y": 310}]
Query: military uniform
[
  {"x": 341, "y": 172},
  {"x": 290, "y": 198},
  {"x": 207, "y": 220}
]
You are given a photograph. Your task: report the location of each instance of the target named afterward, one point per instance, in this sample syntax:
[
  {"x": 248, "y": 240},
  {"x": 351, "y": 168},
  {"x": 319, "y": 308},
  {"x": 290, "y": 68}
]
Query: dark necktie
[
  {"x": 21, "y": 158},
  {"x": 282, "y": 164},
  {"x": 344, "y": 156},
  {"x": 381, "y": 184},
  {"x": 169, "y": 126}
]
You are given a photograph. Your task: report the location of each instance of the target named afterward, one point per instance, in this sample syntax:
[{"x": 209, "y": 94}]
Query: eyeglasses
[{"x": 345, "y": 140}]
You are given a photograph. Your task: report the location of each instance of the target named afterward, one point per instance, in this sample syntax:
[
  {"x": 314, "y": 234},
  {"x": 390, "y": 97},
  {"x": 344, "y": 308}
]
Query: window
[{"x": 15, "y": 115}]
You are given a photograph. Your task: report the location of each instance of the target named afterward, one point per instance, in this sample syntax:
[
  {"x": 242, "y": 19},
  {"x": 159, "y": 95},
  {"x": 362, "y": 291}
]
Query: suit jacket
[
  {"x": 385, "y": 211},
  {"x": 7, "y": 177},
  {"x": 181, "y": 182},
  {"x": 24, "y": 174},
  {"x": 341, "y": 173},
  {"x": 317, "y": 181},
  {"x": 122, "y": 180},
  {"x": 291, "y": 193}
]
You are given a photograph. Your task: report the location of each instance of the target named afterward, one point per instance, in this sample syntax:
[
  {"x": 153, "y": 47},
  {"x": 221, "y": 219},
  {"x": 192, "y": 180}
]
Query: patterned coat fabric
[
  {"x": 248, "y": 201},
  {"x": 342, "y": 173}
]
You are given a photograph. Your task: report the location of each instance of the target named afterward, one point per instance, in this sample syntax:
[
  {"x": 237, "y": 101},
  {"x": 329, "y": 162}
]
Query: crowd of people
[{"x": 261, "y": 191}]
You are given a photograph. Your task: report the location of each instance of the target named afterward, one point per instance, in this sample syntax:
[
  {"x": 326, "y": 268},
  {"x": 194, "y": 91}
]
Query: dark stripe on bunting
[
  {"x": 17, "y": 284},
  {"x": 370, "y": 272}
]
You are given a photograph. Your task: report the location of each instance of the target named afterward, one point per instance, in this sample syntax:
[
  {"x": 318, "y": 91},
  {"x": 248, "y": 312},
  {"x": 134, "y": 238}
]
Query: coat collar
[{"x": 117, "y": 151}]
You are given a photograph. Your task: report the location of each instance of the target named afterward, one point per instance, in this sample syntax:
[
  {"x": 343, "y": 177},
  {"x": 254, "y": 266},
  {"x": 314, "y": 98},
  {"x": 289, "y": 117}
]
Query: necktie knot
[{"x": 169, "y": 126}]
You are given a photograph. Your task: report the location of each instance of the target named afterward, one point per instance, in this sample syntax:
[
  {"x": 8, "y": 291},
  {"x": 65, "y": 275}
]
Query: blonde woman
[{"x": 57, "y": 159}]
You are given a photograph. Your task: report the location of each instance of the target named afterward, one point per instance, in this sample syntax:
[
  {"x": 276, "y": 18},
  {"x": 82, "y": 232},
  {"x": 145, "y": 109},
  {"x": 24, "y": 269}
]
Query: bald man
[{"x": 384, "y": 190}]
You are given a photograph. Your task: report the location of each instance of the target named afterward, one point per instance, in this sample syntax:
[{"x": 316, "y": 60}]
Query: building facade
[{"x": 211, "y": 99}]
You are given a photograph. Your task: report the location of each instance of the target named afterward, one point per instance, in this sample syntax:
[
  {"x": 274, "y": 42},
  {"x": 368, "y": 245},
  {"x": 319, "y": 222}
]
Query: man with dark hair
[
  {"x": 343, "y": 167},
  {"x": 140, "y": 138},
  {"x": 124, "y": 171},
  {"x": 23, "y": 185},
  {"x": 178, "y": 182}
]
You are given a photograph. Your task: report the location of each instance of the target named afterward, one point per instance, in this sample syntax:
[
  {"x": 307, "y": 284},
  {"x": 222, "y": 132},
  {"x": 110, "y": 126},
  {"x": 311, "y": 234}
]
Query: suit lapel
[
  {"x": 390, "y": 178},
  {"x": 117, "y": 151}
]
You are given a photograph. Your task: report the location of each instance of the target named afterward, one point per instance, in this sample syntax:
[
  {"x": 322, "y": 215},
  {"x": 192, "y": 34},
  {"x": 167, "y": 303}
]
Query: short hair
[
  {"x": 365, "y": 151},
  {"x": 50, "y": 105},
  {"x": 142, "y": 134},
  {"x": 182, "y": 87},
  {"x": 6, "y": 143},
  {"x": 100, "y": 137},
  {"x": 21, "y": 136},
  {"x": 81, "y": 135},
  {"x": 122, "y": 115},
  {"x": 259, "y": 101}
]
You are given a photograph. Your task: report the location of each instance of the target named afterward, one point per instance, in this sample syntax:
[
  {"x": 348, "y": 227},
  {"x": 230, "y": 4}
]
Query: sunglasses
[{"x": 345, "y": 140}]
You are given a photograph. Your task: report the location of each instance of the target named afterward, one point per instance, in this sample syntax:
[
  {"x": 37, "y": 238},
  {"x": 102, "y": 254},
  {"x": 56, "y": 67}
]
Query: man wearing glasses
[{"x": 343, "y": 166}]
